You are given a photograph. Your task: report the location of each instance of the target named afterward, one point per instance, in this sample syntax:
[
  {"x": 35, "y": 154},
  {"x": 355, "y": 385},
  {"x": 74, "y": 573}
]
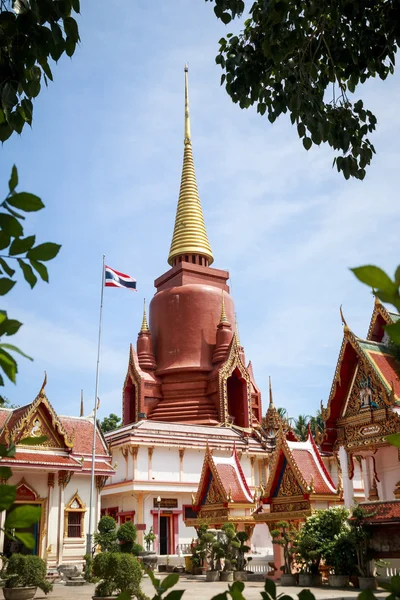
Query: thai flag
[{"x": 117, "y": 279}]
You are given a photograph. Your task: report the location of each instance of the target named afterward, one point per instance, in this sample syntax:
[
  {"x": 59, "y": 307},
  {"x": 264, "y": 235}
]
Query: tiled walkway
[{"x": 199, "y": 589}]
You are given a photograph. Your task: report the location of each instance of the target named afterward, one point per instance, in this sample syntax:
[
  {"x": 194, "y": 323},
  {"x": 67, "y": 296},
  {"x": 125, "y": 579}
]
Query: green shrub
[
  {"x": 118, "y": 572},
  {"x": 126, "y": 535},
  {"x": 26, "y": 571},
  {"x": 88, "y": 572},
  {"x": 106, "y": 537}
]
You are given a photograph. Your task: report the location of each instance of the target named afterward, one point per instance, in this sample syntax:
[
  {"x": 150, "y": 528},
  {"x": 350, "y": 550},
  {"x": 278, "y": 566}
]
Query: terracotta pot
[
  {"x": 288, "y": 579},
  {"x": 212, "y": 575},
  {"x": 305, "y": 579},
  {"x": 240, "y": 575},
  {"x": 170, "y": 568},
  {"x": 367, "y": 583},
  {"x": 198, "y": 570},
  {"x": 19, "y": 593},
  {"x": 226, "y": 576},
  {"x": 162, "y": 568},
  {"x": 338, "y": 581}
]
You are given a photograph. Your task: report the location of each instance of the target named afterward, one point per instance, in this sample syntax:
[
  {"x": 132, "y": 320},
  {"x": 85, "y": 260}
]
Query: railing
[
  {"x": 183, "y": 549},
  {"x": 260, "y": 564},
  {"x": 391, "y": 571}
]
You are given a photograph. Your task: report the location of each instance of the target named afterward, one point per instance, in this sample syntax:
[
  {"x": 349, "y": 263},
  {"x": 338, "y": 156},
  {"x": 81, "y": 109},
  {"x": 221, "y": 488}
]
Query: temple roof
[
  {"x": 190, "y": 235},
  {"x": 68, "y": 443},
  {"x": 386, "y": 512},
  {"x": 375, "y": 356},
  {"x": 380, "y": 317},
  {"x": 185, "y": 435},
  {"x": 225, "y": 476},
  {"x": 308, "y": 472}
]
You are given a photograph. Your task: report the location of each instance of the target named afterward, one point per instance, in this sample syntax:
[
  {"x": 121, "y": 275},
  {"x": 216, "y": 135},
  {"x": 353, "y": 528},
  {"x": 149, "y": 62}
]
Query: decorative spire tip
[{"x": 145, "y": 325}]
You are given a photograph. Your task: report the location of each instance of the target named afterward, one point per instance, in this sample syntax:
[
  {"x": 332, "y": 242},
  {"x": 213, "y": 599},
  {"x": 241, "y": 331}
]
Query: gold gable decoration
[
  {"x": 233, "y": 361},
  {"x": 40, "y": 419},
  {"x": 289, "y": 485},
  {"x": 214, "y": 495},
  {"x": 366, "y": 393}
]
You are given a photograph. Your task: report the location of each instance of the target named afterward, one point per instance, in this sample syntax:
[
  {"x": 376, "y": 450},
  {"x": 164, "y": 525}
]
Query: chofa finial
[
  {"x": 271, "y": 401},
  {"x": 82, "y": 409},
  {"x": 345, "y": 326},
  {"x": 43, "y": 384}
]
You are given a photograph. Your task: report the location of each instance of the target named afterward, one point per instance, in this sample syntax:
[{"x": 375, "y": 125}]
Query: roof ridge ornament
[
  {"x": 271, "y": 400},
  {"x": 346, "y": 328},
  {"x": 42, "y": 392}
]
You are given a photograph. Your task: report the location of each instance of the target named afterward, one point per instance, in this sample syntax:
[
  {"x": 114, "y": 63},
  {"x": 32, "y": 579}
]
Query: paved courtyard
[{"x": 199, "y": 588}]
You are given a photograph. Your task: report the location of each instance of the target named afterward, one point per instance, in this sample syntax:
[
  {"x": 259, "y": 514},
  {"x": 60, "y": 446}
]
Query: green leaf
[
  {"x": 306, "y": 595},
  {"x": 26, "y": 538},
  {"x": 33, "y": 441},
  {"x": 10, "y": 272},
  {"x": 29, "y": 275},
  {"x": 307, "y": 143},
  {"x": 5, "y": 473},
  {"x": 71, "y": 29},
  {"x": 9, "y": 365},
  {"x": 9, "y": 326},
  {"x": 5, "y": 239},
  {"x": 393, "y": 439},
  {"x": 174, "y": 595},
  {"x": 169, "y": 581},
  {"x": 23, "y": 516},
  {"x": 25, "y": 201},
  {"x": 10, "y": 225},
  {"x": 12, "y": 184},
  {"x": 15, "y": 349},
  {"x": 8, "y": 493},
  {"x": 397, "y": 275},
  {"x": 375, "y": 278},
  {"x": 41, "y": 269},
  {"x": 21, "y": 245},
  {"x": 76, "y": 6},
  {"x": 6, "y": 285},
  {"x": 365, "y": 595},
  {"x": 393, "y": 332},
  {"x": 270, "y": 588},
  {"x": 46, "y": 251}
]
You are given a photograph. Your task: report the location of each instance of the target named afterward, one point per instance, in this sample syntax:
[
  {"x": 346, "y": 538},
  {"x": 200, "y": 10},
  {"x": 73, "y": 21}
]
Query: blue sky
[{"x": 105, "y": 155}]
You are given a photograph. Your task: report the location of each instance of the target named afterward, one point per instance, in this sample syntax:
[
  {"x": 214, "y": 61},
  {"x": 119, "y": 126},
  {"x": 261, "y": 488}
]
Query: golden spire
[
  {"x": 271, "y": 401},
  {"x": 346, "y": 328},
  {"x": 43, "y": 384},
  {"x": 81, "y": 413},
  {"x": 190, "y": 235},
  {"x": 145, "y": 326},
  {"x": 223, "y": 317}
]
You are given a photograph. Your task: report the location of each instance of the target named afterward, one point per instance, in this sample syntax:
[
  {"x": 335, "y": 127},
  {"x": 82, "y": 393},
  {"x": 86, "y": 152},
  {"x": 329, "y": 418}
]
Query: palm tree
[
  {"x": 301, "y": 426},
  {"x": 317, "y": 423}
]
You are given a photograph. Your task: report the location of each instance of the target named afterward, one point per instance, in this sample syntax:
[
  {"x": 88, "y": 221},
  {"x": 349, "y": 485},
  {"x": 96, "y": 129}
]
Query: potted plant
[
  {"x": 22, "y": 575},
  {"x": 148, "y": 557},
  {"x": 240, "y": 573},
  {"x": 308, "y": 556},
  {"x": 118, "y": 571},
  {"x": 228, "y": 547},
  {"x": 285, "y": 536},
  {"x": 341, "y": 555},
  {"x": 361, "y": 534}
]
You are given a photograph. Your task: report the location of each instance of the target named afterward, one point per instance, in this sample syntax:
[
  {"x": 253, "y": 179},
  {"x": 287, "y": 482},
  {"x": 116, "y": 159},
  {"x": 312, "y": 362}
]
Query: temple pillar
[
  {"x": 348, "y": 490},
  {"x": 175, "y": 525},
  {"x": 140, "y": 516}
]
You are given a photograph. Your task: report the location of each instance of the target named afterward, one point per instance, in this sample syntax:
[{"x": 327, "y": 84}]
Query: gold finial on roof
[
  {"x": 346, "y": 328},
  {"x": 271, "y": 400},
  {"x": 81, "y": 412},
  {"x": 190, "y": 235},
  {"x": 237, "y": 330},
  {"x": 145, "y": 326},
  {"x": 229, "y": 497},
  {"x": 223, "y": 318},
  {"x": 377, "y": 301},
  {"x": 43, "y": 384},
  {"x": 311, "y": 487},
  {"x": 193, "y": 499}
]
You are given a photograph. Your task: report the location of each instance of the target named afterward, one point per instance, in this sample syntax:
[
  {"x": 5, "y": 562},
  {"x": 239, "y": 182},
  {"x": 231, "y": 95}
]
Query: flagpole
[{"x": 89, "y": 536}]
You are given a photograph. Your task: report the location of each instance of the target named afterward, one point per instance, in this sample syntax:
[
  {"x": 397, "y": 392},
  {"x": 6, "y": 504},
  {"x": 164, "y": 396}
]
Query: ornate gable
[
  {"x": 36, "y": 420},
  {"x": 288, "y": 485},
  {"x": 233, "y": 363},
  {"x": 366, "y": 386}
]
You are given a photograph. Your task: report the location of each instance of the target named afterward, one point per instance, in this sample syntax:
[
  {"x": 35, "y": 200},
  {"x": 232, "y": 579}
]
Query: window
[
  {"x": 74, "y": 524},
  {"x": 74, "y": 517}
]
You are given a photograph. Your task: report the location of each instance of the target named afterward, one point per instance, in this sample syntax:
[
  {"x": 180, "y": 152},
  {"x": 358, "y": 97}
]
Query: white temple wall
[
  {"x": 388, "y": 471},
  {"x": 142, "y": 464},
  {"x": 192, "y": 465},
  {"x": 166, "y": 464}
]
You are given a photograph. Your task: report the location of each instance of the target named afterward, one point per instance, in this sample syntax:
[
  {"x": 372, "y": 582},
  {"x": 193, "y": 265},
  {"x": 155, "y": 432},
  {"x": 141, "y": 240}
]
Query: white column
[{"x": 348, "y": 491}]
